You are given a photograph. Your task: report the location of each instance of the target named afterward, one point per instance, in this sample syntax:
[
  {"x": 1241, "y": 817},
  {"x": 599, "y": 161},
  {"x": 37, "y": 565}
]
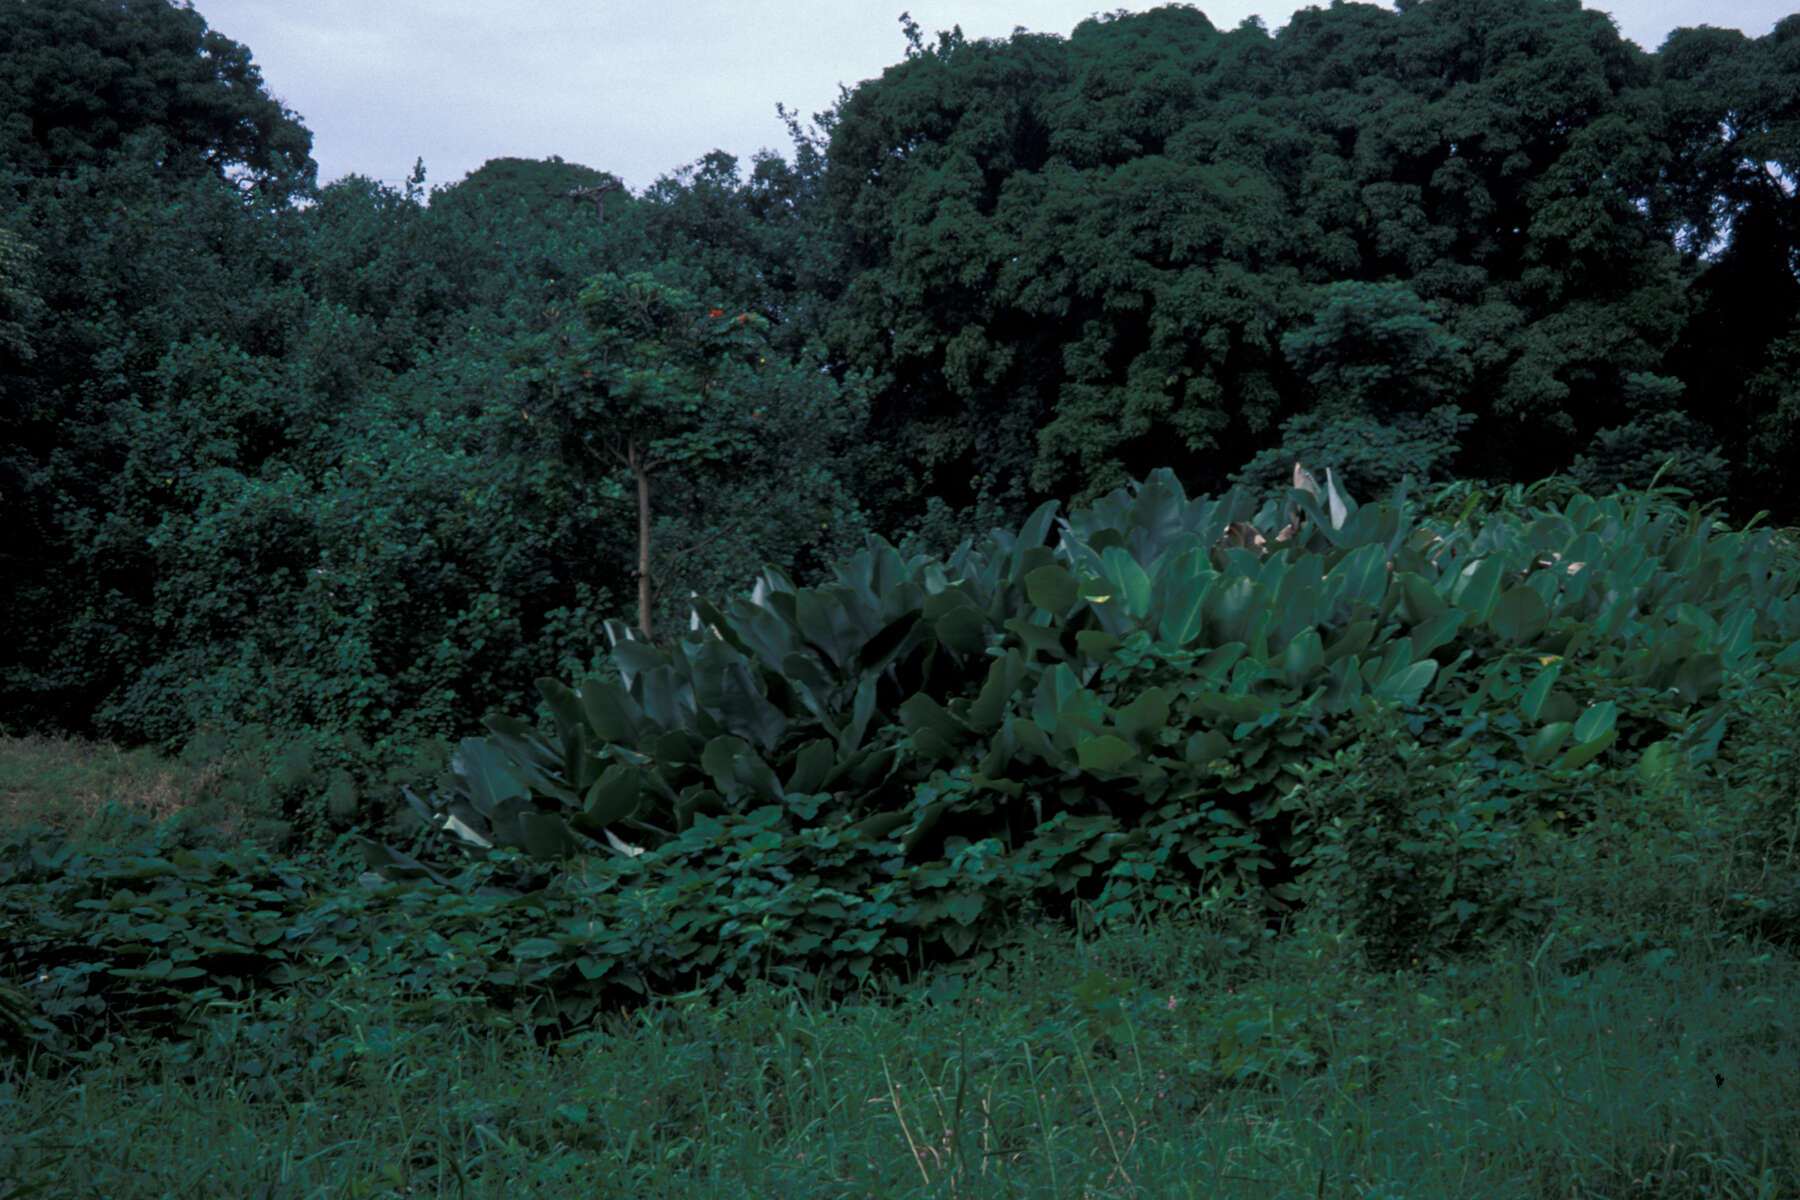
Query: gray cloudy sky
[{"x": 641, "y": 87}]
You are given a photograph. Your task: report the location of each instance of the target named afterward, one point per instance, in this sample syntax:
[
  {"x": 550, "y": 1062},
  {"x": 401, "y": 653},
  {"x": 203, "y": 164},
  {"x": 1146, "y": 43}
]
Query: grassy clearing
[
  {"x": 1643, "y": 1046},
  {"x": 68, "y": 784},
  {"x": 1508, "y": 1077}
]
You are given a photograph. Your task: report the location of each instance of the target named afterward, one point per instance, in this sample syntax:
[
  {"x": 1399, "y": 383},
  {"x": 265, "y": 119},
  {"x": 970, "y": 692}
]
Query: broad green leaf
[
  {"x": 962, "y": 628},
  {"x": 1407, "y": 684},
  {"x": 1206, "y": 747},
  {"x": 534, "y": 948},
  {"x": 1520, "y": 615},
  {"x": 614, "y": 796},
  {"x": 1232, "y": 609},
  {"x": 1585, "y": 752},
  {"x": 490, "y": 775},
  {"x": 1597, "y": 720},
  {"x": 828, "y": 624},
  {"x": 1038, "y": 639},
  {"x": 1477, "y": 588},
  {"x": 1095, "y": 645},
  {"x": 1304, "y": 655},
  {"x": 1421, "y": 600},
  {"x": 1132, "y": 580},
  {"x": 935, "y": 732},
  {"x": 812, "y": 767},
  {"x": 1364, "y": 573},
  {"x": 611, "y": 714},
  {"x": 1547, "y": 741},
  {"x": 1104, "y": 753},
  {"x": 545, "y": 836},
  {"x": 1353, "y": 638},
  {"x": 1659, "y": 760},
  {"x": 1005, "y": 679},
  {"x": 1052, "y": 588},
  {"x": 1532, "y": 702},
  {"x": 1184, "y": 602},
  {"x": 1145, "y": 715},
  {"x": 965, "y": 907}
]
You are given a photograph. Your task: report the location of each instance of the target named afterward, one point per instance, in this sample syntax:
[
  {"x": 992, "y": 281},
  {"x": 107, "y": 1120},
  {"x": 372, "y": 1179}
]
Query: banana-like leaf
[
  {"x": 610, "y": 712},
  {"x": 1547, "y": 741},
  {"x": 489, "y": 775},
  {"x": 1408, "y": 684},
  {"x": 738, "y": 771},
  {"x": 1584, "y": 752},
  {"x": 1132, "y": 581},
  {"x": 1596, "y": 721},
  {"x": 1032, "y": 739},
  {"x": 1183, "y": 607},
  {"x": 1232, "y": 609},
  {"x": 812, "y": 767},
  {"x": 862, "y": 711},
  {"x": 545, "y": 836},
  {"x": 959, "y": 624},
  {"x": 888, "y": 643},
  {"x": 1520, "y": 615},
  {"x": 571, "y": 730},
  {"x": 1005, "y": 679},
  {"x": 829, "y": 624},
  {"x": 1476, "y": 589},
  {"x": 1304, "y": 656},
  {"x": 1353, "y": 638},
  {"x": 1532, "y": 702},
  {"x": 1052, "y": 588},
  {"x": 934, "y": 731},
  {"x": 616, "y": 796},
  {"x": 1145, "y": 716},
  {"x": 1362, "y": 576}
]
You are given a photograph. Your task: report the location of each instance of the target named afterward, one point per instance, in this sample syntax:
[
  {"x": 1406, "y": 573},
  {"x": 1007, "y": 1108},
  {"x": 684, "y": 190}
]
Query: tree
[
  {"x": 1073, "y": 261},
  {"x": 1732, "y": 128},
  {"x": 82, "y": 80},
  {"x": 654, "y": 392},
  {"x": 1377, "y": 349}
]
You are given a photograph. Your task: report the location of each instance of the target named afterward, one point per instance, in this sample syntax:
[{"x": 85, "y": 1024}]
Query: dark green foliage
[
  {"x": 326, "y": 484},
  {"x": 1377, "y": 349},
  {"x": 758, "y": 239},
  {"x": 104, "y": 941},
  {"x": 1429, "y": 850},
  {"x": 1369, "y": 456},
  {"x": 81, "y": 81},
  {"x": 1666, "y": 447},
  {"x": 1150, "y": 244},
  {"x": 1141, "y": 710}
]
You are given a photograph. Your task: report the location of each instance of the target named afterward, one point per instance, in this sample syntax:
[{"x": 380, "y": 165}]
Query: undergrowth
[{"x": 1634, "y": 1039}]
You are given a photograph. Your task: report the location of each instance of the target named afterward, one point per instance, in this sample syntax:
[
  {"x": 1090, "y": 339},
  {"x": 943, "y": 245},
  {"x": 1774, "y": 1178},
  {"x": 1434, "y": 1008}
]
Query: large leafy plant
[{"x": 1113, "y": 720}]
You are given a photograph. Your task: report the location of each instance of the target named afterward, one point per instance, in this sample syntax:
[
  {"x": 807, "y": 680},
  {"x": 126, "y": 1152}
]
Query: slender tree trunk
[{"x": 641, "y": 473}]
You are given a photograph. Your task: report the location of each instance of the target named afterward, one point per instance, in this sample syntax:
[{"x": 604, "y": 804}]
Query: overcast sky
[{"x": 641, "y": 87}]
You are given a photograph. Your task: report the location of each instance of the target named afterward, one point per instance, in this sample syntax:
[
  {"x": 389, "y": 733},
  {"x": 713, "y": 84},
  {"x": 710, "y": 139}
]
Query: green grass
[
  {"x": 1643, "y": 1046},
  {"x": 69, "y": 784}
]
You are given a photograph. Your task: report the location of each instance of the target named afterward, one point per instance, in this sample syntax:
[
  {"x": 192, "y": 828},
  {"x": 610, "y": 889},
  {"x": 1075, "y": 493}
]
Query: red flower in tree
[{"x": 715, "y": 312}]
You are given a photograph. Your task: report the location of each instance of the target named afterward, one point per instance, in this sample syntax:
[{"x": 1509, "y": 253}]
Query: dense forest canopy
[{"x": 360, "y": 462}]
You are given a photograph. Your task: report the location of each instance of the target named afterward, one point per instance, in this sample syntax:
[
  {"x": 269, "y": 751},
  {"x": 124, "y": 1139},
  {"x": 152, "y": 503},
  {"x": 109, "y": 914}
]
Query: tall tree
[
  {"x": 1733, "y": 136},
  {"x": 654, "y": 388},
  {"x": 81, "y": 80},
  {"x": 1072, "y": 261}
]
